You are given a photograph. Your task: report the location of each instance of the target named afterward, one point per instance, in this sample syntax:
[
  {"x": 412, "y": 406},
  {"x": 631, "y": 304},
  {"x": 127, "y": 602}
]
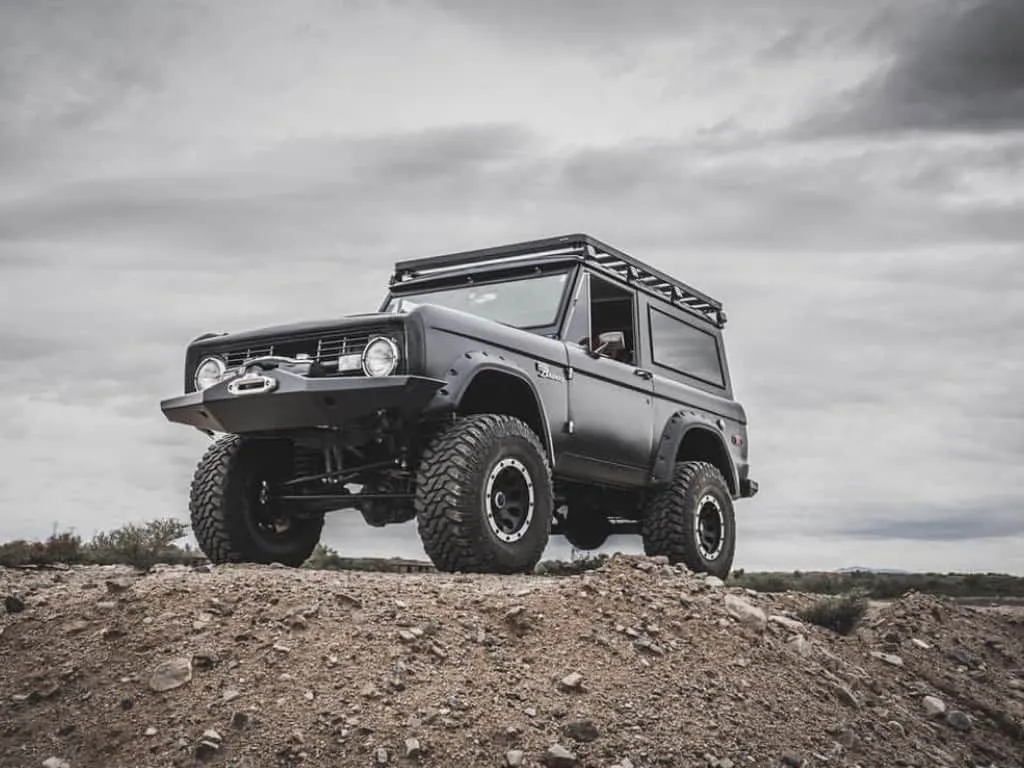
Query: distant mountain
[{"x": 870, "y": 570}]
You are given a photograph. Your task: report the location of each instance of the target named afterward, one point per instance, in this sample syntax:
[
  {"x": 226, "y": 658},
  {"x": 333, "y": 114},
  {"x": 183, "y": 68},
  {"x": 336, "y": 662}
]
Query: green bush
[
  {"x": 840, "y": 614},
  {"x": 141, "y": 546}
]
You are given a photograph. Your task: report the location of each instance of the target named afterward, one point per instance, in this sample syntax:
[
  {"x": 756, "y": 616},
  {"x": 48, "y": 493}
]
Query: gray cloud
[
  {"x": 961, "y": 67},
  {"x": 998, "y": 517},
  {"x": 182, "y": 184}
]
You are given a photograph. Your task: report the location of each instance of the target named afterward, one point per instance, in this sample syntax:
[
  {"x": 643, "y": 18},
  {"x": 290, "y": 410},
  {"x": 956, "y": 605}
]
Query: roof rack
[{"x": 580, "y": 246}]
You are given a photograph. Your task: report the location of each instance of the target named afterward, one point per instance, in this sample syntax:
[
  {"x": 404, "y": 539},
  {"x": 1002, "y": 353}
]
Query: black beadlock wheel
[
  {"x": 483, "y": 496},
  {"x": 692, "y": 521},
  {"x": 231, "y": 518}
]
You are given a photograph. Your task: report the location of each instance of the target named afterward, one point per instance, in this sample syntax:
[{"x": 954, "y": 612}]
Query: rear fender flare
[{"x": 676, "y": 429}]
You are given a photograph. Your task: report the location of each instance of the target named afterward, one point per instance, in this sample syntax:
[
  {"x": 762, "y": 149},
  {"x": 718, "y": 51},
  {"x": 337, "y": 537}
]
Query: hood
[{"x": 302, "y": 328}]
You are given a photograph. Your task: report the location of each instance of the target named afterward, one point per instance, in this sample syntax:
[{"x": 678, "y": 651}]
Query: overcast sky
[{"x": 847, "y": 177}]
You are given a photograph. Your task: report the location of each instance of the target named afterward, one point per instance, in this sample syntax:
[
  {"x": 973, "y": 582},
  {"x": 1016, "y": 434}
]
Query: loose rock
[
  {"x": 744, "y": 612},
  {"x": 558, "y": 756},
  {"x": 933, "y": 706},
  {"x": 958, "y": 720},
  {"x": 171, "y": 674},
  {"x": 14, "y": 604}
]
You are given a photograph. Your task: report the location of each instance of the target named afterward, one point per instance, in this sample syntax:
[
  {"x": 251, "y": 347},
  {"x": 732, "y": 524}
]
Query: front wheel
[
  {"x": 483, "y": 496},
  {"x": 232, "y": 518},
  {"x": 691, "y": 520}
]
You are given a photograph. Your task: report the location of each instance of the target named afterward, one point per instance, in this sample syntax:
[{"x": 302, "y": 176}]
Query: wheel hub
[
  {"x": 709, "y": 527},
  {"x": 509, "y": 500}
]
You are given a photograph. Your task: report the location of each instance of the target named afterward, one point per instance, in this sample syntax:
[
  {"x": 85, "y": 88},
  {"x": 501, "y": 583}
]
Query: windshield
[{"x": 523, "y": 303}]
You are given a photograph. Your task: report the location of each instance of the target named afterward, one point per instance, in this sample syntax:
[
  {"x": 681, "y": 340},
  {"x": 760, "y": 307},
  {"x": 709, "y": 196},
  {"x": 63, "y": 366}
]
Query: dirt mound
[{"x": 634, "y": 664}]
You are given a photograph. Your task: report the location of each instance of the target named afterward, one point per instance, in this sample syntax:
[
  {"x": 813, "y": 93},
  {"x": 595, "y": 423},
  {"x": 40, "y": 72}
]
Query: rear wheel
[
  {"x": 483, "y": 496},
  {"x": 232, "y": 516},
  {"x": 691, "y": 520}
]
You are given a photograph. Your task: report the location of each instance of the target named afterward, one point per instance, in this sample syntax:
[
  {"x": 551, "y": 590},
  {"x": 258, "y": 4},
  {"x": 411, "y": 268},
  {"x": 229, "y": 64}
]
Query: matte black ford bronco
[{"x": 497, "y": 397}]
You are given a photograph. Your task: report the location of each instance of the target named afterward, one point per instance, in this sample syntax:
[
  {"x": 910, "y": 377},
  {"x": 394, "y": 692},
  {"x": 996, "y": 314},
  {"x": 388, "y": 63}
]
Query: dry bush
[
  {"x": 141, "y": 546},
  {"x": 840, "y": 614}
]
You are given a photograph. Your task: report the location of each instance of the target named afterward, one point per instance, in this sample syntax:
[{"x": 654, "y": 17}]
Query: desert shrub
[
  {"x": 571, "y": 568},
  {"x": 841, "y": 614},
  {"x": 59, "y": 548},
  {"x": 141, "y": 546},
  {"x": 15, "y": 553},
  {"x": 324, "y": 558}
]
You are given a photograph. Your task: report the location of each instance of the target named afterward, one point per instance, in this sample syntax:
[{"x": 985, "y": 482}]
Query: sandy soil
[{"x": 635, "y": 664}]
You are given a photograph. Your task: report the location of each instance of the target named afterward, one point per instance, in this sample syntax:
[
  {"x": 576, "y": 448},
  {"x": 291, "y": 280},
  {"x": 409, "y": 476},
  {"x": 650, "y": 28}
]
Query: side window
[
  {"x": 685, "y": 349},
  {"x": 613, "y": 309},
  {"x": 578, "y": 329}
]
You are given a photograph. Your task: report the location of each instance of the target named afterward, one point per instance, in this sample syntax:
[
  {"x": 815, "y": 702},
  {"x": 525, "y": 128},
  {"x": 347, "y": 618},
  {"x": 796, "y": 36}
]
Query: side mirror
[{"x": 609, "y": 343}]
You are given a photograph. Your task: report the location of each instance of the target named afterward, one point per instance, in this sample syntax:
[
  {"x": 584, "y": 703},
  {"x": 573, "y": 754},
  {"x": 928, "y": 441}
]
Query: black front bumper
[{"x": 296, "y": 402}]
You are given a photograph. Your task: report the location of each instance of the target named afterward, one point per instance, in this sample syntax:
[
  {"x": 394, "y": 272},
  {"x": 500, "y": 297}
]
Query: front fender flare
[{"x": 464, "y": 370}]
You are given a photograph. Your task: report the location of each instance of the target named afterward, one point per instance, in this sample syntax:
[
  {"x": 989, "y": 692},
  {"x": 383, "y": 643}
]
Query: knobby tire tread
[
  {"x": 665, "y": 529},
  {"x": 207, "y": 501},
  {"x": 445, "y": 491}
]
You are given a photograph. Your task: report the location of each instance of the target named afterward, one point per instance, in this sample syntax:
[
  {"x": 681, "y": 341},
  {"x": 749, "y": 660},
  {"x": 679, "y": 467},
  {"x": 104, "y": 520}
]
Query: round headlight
[
  {"x": 209, "y": 372},
  {"x": 380, "y": 358}
]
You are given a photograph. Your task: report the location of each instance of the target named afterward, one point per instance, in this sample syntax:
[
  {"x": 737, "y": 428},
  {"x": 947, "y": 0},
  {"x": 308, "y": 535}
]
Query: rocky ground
[{"x": 634, "y": 664}]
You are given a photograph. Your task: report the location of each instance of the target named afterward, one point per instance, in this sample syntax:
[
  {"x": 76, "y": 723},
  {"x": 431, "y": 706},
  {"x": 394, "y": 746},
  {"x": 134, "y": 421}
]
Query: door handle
[{"x": 643, "y": 373}]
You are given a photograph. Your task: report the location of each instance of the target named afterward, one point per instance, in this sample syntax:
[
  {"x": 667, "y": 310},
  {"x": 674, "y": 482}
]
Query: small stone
[
  {"x": 211, "y": 735},
  {"x": 206, "y": 749},
  {"x": 171, "y": 674},
  {"x": 406, "y": 636},
  {"x": 15, "y": 604},
  {"x": 744, "y": 612},
  {"x": 958, "y": 720},
  {"x": 920, "y": 643},
  {"x": 845, "y": 695},
  {"x": 514, "y": 758},
  {"x": 76, "y": 627},
  {"x": 625, "y": 763},
  {"x": 713, "y": 582},
  {"x": 380, "y": 756},
  {"x": 888, "y": 658},
  {"x": 799, "y": 644},
  {"x": 581, "y": 730},
  {"x": 558, "y": 756},
  {"x": 55, "y": 762},
  {"x": 413, "y": 747},
  {"x": 151, "y": 731},
  {"x": 785, "y": 621},
  {"x": 530, "y": 712},
  {"x": 933, "y": 706},
  {"x": 239, "y": 720},
  {"x": 116, "y": 586},
  {"x": 793, "y": 761},
  {"x": 572, "y": 682}
]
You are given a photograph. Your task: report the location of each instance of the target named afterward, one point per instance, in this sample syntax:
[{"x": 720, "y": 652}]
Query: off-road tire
[
  {"x": 223, "y": 509},
  {"x": 669, "y": 525},
  {"x": 451, "y": 501}
]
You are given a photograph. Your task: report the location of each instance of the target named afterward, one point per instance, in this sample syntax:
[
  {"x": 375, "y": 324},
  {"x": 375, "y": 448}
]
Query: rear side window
[{"x": 685, "y": 349}]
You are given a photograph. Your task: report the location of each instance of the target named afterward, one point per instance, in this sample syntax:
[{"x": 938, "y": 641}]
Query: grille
[{"x": 323, "y": 348}]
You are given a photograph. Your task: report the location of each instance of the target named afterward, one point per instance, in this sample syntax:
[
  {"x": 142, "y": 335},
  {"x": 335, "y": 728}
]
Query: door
[{"x": 611, "y": 417}]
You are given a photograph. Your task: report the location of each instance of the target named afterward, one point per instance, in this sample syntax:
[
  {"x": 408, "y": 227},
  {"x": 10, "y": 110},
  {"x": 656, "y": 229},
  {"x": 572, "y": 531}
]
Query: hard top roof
[{"x": 579, "y": 247}]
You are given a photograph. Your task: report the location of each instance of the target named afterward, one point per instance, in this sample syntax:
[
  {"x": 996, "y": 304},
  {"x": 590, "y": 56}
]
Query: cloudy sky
[{"x": 847, "y": 177}]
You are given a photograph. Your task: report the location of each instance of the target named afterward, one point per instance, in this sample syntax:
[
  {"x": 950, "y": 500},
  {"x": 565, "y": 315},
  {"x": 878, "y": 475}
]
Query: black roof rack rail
[{"x": 584, "y": 247}]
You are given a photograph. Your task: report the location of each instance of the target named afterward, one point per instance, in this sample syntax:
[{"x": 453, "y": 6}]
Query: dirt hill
[{"x": 634, "y": 664}]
